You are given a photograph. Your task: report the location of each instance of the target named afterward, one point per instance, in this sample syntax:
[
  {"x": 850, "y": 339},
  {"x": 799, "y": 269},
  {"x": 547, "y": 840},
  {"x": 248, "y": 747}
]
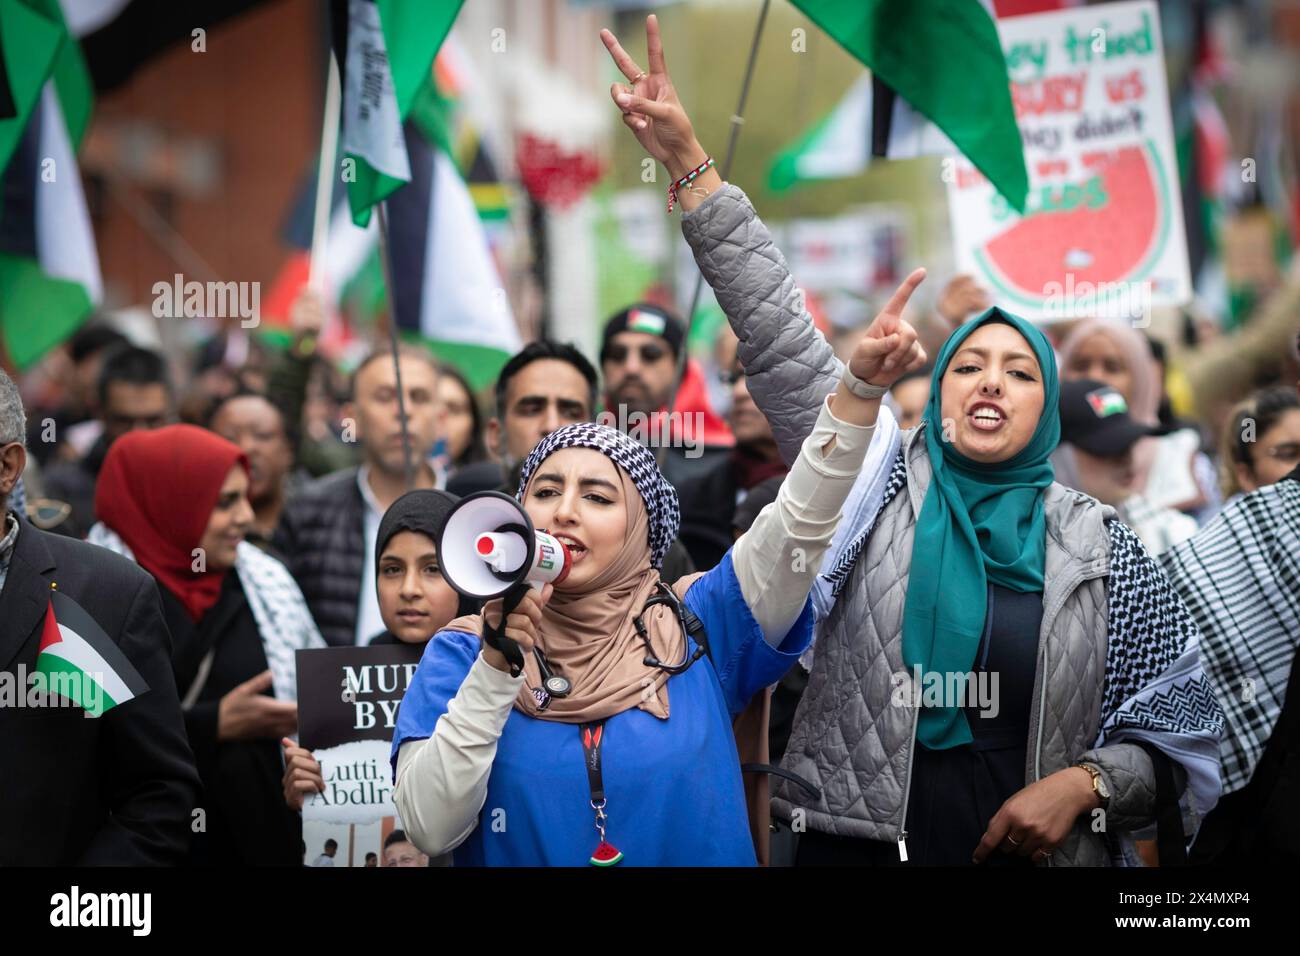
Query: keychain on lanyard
[{"x": 592, "y": 737}]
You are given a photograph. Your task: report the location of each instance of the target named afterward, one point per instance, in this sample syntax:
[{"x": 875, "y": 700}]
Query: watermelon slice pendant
[{"x": 606, "y": 855}]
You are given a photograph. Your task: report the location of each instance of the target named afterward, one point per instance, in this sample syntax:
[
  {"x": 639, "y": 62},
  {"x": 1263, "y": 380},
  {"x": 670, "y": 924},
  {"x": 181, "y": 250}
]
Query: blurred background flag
[
  {"x": 944, "y": 58},
  {"x": 49, "y": 268},
  {"x": 386, "y": 49},
  {"x": 447, "y": 290},
  {"x": 447, "y": 287}
]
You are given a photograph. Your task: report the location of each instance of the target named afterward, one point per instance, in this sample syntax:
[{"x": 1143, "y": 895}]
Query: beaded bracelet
[{"x": 686, "y": 181}]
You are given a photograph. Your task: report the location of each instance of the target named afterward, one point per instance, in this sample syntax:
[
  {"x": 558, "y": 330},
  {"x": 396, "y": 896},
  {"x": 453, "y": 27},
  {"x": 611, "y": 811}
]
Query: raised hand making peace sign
[{"x": 654, "y": 114}]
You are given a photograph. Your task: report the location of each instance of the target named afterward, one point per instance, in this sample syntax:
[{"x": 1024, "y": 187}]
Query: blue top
[{"x": 673, "y": 786}]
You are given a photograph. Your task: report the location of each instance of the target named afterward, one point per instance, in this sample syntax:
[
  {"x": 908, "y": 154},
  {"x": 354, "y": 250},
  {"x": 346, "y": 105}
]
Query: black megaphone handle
[{"x": 495, "y": 636}]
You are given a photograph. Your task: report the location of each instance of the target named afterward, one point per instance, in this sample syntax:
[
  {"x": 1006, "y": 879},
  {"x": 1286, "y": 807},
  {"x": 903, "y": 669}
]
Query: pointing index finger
[{"x": 904, "y": 292}]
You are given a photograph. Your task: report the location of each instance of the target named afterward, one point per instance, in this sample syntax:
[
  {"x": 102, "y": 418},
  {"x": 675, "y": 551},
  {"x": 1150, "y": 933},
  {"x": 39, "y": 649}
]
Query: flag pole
[
  {"x": 329, "y": 137},
  {"x": 737, "y": 120},
  {"x": 392, "y": 341}
]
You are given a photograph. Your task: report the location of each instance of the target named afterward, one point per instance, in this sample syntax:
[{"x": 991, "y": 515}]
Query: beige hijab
[{"x": 588, "y": 635}]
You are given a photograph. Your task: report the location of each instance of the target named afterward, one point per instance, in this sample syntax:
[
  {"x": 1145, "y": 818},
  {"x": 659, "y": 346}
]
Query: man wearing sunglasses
[{"x": 638, "y": 358}]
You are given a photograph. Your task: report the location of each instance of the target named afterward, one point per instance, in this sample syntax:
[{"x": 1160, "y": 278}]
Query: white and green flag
[
  {"x": 49, "y": 268},
  {"x": 391, "y": 45}
]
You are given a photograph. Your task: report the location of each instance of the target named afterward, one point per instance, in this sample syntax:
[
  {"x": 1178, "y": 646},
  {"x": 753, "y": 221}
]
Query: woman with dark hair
[
  {"x": 1261, "y": 441},
  {"x": 462, "y": 418},
  {"x": 1004, "y": 665},
  {"x": 176, "y": 501}
]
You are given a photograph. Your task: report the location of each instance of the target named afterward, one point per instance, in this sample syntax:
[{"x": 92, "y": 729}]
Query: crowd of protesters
[{"x": 988, "y": 498}]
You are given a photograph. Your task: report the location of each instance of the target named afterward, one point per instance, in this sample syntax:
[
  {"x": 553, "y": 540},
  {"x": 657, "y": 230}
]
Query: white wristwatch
[{"x": 860, "y": 388}]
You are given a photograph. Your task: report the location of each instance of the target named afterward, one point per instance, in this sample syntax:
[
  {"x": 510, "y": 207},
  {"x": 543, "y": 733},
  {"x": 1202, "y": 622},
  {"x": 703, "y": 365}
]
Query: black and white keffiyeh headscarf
[{"x": 637, "y": 461}]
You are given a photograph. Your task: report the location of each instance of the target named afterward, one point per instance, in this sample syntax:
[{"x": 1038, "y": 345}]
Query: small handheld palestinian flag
[{"x": 82, "y": 663}]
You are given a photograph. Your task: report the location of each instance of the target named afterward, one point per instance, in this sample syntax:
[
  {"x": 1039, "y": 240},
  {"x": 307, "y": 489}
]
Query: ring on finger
[
  {"x": 640, "y": 76},
  {"x": 1012, "y": 840}
]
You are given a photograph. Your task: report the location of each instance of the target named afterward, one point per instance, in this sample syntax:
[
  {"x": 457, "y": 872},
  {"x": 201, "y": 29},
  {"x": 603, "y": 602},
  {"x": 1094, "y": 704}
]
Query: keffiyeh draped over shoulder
[
  {"x": 1155, "y": 689},
  {"x": 278, "y": 607},
  {"x": 1240, "y": 576}
]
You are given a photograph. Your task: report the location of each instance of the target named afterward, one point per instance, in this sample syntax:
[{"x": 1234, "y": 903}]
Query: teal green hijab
[{"x": 979, "y": 523}]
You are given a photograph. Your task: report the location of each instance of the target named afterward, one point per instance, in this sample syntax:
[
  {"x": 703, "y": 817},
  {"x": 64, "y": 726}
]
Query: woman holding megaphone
[{"x": 635, "y": 760}]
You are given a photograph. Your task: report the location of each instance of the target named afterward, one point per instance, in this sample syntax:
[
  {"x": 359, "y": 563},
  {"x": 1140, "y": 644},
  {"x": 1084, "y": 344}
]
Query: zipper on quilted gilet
[
  {"x": 911, "y": 752},
  {"x": 1042, "y": 693},
  {"x": 907, "y": 787}
]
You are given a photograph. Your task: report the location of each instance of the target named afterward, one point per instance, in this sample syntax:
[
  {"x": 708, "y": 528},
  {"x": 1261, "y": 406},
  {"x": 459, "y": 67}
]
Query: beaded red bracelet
[{"x": 686, "y": 181}]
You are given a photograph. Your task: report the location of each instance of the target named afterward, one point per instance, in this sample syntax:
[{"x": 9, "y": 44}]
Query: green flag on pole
[
  {"x": 390, "y": 50},
  {"x": 49, "y": 267},
  {"x": 945, "y": 59}
]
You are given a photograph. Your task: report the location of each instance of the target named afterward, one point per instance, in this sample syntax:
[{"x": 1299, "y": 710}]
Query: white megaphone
[
  {"x": 489, "y": 548},
  {"x": 488, "y": 545}
]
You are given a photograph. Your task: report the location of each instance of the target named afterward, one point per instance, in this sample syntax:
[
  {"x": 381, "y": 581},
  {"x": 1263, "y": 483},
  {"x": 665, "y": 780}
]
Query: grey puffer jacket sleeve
[
  {"x": 789, "y": 366},
  {"x": 1130, "y": 780}
]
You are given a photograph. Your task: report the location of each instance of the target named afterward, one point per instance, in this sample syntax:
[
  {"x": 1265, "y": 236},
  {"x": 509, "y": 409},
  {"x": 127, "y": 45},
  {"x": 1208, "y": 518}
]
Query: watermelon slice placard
[{"x": 1116, "y": 239}]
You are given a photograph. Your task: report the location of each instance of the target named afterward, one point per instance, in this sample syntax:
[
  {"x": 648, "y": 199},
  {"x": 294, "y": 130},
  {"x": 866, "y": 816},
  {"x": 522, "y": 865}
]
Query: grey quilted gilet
[{"x": 854, "y": 733}]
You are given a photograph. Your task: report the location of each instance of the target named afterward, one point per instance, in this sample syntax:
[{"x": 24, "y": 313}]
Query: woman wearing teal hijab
[
  {"x": 982, "y": 522},
  {"x": 1002, "y": 672}
]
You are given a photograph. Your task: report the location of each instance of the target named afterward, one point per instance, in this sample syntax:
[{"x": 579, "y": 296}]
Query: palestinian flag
[
  {"x": 441, "y": 113},
  {"x": 388, "y": 52},
  {"x": 49, "y": 267},
  {"x": 76, "y": 655},
  {"x": 447, "y": 291},
  {"x": 1106, "y": 402},
  {"x": 945, "y": 59}
]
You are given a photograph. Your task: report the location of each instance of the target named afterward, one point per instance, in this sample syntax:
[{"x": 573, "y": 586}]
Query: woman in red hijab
[{"x": 176, "y": 500}]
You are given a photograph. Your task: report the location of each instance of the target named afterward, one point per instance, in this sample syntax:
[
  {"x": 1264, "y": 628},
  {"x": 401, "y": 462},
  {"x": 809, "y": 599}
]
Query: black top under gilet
[{"x": 955, "y": 792}]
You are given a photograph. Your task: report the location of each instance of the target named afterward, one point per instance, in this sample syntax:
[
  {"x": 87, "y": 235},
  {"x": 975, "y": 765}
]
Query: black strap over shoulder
[
  {"x": 495, "y": 636},
  {"x": 812, "y": 791},
  {"x": 664, "y": 594},
  {"x": 1171, "y": 841}
]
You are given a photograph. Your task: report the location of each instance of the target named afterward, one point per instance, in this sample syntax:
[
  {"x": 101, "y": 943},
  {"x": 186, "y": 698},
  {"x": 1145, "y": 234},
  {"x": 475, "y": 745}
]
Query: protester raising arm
[
  {"x": 442, "y": 781},
  {"x": 791, "y": 535},
  {"x": 789, "y": 366}
]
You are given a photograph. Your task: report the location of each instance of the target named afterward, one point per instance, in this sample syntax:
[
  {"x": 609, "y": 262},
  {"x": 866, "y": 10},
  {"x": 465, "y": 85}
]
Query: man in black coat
[{"x": 118, "y": 789}]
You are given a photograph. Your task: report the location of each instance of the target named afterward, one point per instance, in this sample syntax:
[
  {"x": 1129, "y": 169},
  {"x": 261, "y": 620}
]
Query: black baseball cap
[
  {"x": 1095, "y": 417},
  {"x": 649, "y": 318}
]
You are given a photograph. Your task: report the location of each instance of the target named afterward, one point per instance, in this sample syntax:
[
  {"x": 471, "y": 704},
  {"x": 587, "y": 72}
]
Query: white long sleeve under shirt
[{"x": 442, "y": 781}]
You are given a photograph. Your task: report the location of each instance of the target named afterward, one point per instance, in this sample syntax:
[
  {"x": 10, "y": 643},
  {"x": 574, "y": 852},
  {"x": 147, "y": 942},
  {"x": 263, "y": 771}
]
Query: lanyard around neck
[{"x": 593, "y": 739}]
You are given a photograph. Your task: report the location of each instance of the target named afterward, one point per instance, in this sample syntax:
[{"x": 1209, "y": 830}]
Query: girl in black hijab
[{"x": 414, "y": 601}]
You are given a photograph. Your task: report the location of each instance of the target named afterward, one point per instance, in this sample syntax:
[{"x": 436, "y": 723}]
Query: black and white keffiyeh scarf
[
  {"x": 1155, "y": 689},
  {"x": 1240, "y": 576},
  {"x": 635, "y": 459},
  {"x": 279, "y": 609}
]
